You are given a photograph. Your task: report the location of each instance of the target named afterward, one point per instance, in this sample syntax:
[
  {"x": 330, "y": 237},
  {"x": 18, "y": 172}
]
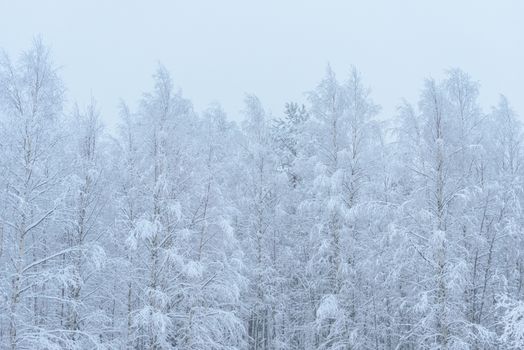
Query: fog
[{"x": 220, "y": 50}]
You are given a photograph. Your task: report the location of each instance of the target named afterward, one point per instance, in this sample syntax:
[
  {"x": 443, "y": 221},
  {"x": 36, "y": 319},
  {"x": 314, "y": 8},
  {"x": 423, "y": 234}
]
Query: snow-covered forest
[{"x": 321, "y": 226}]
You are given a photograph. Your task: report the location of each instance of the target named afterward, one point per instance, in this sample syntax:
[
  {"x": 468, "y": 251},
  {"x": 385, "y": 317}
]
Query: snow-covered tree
[
  {"x": 340, "y": 132},
  {"x": 31, "y": 97}
]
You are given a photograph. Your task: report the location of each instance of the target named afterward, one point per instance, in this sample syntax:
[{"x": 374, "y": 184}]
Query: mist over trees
[{"x": 320, "y": 227}]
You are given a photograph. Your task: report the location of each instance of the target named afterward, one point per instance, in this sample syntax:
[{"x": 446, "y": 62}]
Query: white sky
[{"x": 218, "y": 50}]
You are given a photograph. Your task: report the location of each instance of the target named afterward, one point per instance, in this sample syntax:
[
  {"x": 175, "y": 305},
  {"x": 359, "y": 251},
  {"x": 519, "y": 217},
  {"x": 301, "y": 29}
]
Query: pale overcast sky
[{"x": 219, "y": 50}]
